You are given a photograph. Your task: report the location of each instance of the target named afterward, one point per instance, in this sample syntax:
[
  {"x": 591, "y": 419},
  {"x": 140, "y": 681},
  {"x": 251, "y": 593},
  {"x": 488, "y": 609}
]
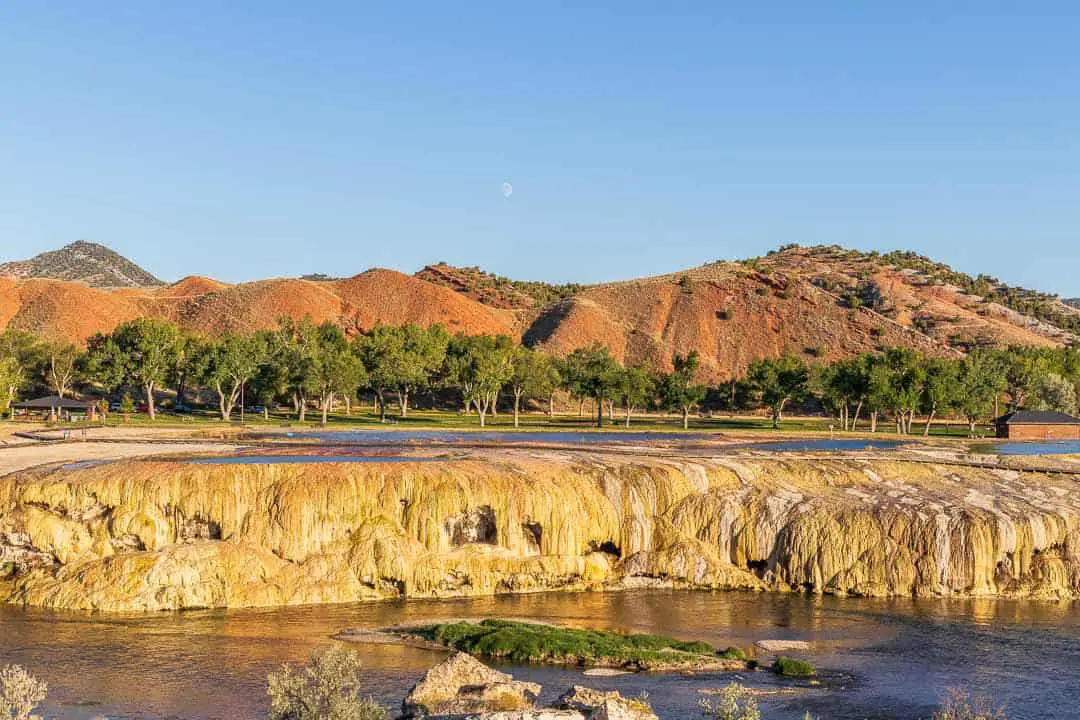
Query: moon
[{"x": 507, "y": 189}]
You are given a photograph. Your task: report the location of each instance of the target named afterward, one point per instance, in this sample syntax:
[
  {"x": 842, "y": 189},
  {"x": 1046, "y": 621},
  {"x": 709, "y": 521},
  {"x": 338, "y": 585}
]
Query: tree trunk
[
  {"x": 929, "y": 419},
  {"x": 517, "y": 406},
  {"x": 611, "y": 410},
  {"x": 150, "y": 400},
  {"x": 873, "y": 421},
  {"x": 348, "y": 405},
  {"x": 599, "y": 412},
  {"x": 266, "y": 412},
  {"x": 403, "y": 401},
  {"x": 302, "y": 413},
  {"x": 628, "y": 414},
  {"x": 776, "y": 417},
  {"x": 685, "y": 418},
  {"x": 221, "y": 406},
  {"x": 380, "y": 398},
  {"x": 855, "y": 418},
  {"x": 328, "y": 400},
  {"x": 581, "y": 407},
  {"x": 971, "y": 428},
  {"x": 551, "y": 406}
]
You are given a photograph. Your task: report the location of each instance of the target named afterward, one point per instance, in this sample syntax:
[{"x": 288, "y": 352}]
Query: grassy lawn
[{"x": 532, "y": 422}]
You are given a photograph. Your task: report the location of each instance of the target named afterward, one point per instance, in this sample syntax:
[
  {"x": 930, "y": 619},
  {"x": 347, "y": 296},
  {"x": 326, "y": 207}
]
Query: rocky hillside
[
  {"x": 159, "y": 535},
  {"x": 821, "y": 302},
  {"x": 495, "y": 290},
  {"x": 86, "y": 262}
]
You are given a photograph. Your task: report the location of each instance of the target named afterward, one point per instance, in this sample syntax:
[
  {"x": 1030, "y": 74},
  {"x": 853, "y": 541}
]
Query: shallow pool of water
[
  {"x": 397, "y": 437},
  {"x": 304, "y": 459},
  {"x": 1048, "y": 447},
  {"x": 899, "y": 657},
  {"x": 822, "y": 444}
]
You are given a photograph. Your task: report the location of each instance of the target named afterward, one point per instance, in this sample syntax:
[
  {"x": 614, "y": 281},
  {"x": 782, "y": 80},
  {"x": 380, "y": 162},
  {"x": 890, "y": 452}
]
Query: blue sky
[{"x": 279, "y": 138}]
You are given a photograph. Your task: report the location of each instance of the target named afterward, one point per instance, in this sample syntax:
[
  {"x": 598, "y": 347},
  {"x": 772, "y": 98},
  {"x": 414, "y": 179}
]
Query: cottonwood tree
[
  {"x": 941, "y": 389},
  {"x": 778, "y": 381},
  {"x": 843, "y": 384},
  {"x": 593, "y": 373},
  {"x": 979, "y": 382},
  {"x": 293, "y": 346},
  {"x": 678, "y": 389},
  {"x": 635, "y": 388},
  {"x": 533, "y": 375},
  {"x": 898, "y": 376},
  {"x": 1053, "y": 392},
  {"x": 482, "y": 365},
  {"x": 20, "y": 354},
  {"x": 336, "y": 370},
  {"x": 139, "y": 353},
  {"x": 59, "y": 365},
  {"x": 228, "y": 365},
  {"x": 11, "y": 379}
]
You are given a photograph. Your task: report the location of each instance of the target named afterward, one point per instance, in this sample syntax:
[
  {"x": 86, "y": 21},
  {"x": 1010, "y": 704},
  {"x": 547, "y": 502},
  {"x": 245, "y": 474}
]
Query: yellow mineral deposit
[{"x": 158, "y": 535}]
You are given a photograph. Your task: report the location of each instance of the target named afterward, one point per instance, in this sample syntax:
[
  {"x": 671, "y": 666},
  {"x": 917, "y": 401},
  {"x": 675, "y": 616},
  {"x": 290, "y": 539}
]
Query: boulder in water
[{"x": 462, "y": 685}]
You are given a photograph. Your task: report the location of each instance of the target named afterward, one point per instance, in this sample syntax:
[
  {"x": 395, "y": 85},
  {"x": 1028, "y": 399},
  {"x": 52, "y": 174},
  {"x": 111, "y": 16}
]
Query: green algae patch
[
  {"x": 791, "y": 667},
  {"x": 522, "y": 642}
]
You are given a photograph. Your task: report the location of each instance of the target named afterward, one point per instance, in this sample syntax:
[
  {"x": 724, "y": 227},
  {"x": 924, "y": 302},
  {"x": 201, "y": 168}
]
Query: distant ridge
[
  {"x": 823, "y": 303},
  {"x": 85, "y": 262}
]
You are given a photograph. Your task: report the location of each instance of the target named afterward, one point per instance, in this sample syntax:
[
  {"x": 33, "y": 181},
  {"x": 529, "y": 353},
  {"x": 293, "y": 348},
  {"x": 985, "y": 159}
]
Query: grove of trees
[{"x": 301, "y": 365}]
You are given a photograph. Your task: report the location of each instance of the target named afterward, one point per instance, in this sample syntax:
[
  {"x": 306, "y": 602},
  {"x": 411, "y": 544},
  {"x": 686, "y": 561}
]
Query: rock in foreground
[{"x": 462, "y": 685}]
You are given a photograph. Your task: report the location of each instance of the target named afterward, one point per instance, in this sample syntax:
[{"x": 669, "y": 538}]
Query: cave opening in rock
[
  {"x": 608, "y": 547},
  {"x": 534, "y": 533},
  {"x": 476, "y": 525}
]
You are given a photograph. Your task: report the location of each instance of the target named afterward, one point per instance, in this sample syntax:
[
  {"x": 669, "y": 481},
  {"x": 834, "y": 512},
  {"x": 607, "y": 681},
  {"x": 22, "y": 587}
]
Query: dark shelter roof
[
  {"x": 1038, "y": 417},
  {"x": 53, "y": 402}
]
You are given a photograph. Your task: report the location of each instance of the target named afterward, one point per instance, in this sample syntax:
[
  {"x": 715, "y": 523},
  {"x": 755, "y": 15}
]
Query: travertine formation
[{"x": 153, "y": 535}]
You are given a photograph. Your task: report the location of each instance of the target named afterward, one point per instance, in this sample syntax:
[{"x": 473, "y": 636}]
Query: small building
[
  {"x": 1038, "y": 425},
  {"x": 54, "y": 407}
]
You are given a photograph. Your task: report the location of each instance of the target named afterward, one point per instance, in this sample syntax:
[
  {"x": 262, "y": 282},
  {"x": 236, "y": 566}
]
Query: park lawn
[{"x": 530, "y": 422}]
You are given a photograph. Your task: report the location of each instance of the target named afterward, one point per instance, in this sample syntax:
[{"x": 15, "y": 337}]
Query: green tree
[
  {"x": 843, "y": 384},
  {"x": 1022, "y": 367},
  {"x": 634, "y": 388},
  {"x": 139, "y": 353},
  {"x": 228, "y": 365},
  {"x": 336, "y": 370},
  {"x": 1053, "y": 392},
  {"x": 980, "y": 381},
  {"x": 482, "y": 365},
  {"x": 327, "y": 688},
  {"x": 271, "y": 380},
  {"x": 778, "y": 381},
  {"x": 293, "y": 347},
  {"x": 20, "y": 356},
  {"x": 534, "y": 375},
  {"x": 59, "y": 363},
  {"x": 593, "y": 373},
  {"x": 11, "y": 379},
  {"x": 941, "y": 390}
]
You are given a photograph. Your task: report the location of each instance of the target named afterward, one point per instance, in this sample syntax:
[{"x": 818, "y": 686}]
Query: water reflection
[{"x": 901, "y": 655}]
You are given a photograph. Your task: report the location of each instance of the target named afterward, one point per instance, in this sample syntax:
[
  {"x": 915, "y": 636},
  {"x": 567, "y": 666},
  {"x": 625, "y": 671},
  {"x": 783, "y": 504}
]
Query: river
[{"x": 881, "y": 658}]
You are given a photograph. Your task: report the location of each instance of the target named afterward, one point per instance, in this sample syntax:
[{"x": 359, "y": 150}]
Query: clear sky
[{"x": 255, "y": 139}]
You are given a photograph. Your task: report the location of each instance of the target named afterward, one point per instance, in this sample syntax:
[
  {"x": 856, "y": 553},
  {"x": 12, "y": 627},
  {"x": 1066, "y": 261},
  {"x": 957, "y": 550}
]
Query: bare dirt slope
[{"x": 823, "y": 303}]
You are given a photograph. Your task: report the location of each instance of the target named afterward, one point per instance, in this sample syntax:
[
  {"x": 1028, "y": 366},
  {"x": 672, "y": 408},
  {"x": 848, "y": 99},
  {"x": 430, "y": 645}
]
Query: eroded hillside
[
  {"x": 823, "y": 303},
  {"x": 153, "y": 535}
]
